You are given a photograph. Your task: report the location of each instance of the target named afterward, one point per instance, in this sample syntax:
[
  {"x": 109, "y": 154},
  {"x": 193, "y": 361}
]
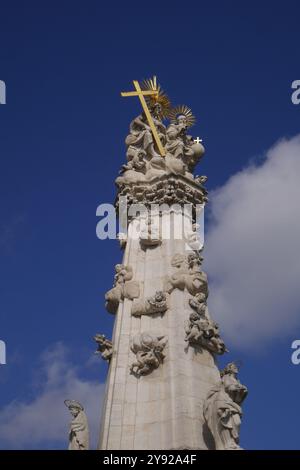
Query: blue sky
[{"x": 62, "y": 137}]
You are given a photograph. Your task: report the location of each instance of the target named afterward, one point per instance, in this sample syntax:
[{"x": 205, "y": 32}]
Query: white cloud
[
  {"x": 252, "y": 250},
  {"x": 44, "y": 422}
]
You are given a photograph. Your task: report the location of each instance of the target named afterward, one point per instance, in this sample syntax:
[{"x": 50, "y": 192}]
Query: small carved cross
[{"x": 197, "y": 140}]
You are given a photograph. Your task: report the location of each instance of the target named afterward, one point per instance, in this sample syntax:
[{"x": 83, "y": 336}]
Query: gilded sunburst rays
[
  {"x": 160, "y": 97},
  {"x": 182, "y": 110}
]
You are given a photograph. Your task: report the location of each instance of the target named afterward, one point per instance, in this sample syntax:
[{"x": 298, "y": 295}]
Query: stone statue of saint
[
  {"x": 141, "y": 137},
  {"x": 79, "y": 430},
  {"x": 179, "y": 144},
  {"x": 222, "y": 409}
]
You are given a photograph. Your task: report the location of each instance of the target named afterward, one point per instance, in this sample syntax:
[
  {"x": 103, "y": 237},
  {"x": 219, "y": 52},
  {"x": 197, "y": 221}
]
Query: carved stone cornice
[{"x": 166, "y": 189}]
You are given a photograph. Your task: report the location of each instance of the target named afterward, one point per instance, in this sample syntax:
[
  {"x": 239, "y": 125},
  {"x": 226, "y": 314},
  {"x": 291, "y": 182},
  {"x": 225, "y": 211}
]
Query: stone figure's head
[
  {"x": 182, "y": 116},
  {"x": 195, "y": 258},
  {"x": 74, "y": 407},
  {"x": 178, "y": 260},
  {"x": 194, "y": 317},
  {"x": 74, "y": 411},
  {"x": 160, "y": 296},
  {"x": 156, "y": 110},
  {"x": 231, "y": 368},
  {"x": 99, "y": 338},
  {"x": 160, "y": 343},
  {"x": 181, "y": 120},
  {"x": 118, "y": 268},
  {"x": 201, "y": 297},
  {"x": 141, "y": 155}
]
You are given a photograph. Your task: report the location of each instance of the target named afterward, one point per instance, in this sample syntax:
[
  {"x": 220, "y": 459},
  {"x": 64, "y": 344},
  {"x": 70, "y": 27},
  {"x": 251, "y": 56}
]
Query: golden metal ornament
[
  {"x": 182, "y": 110},
  {"x": 160, "y": 97},
  {"x": 141, "y": 94}
]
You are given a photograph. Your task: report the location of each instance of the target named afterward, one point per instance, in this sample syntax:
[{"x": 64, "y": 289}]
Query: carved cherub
[
  {"x": 202, "y": 331},
  {"x": 124, "y": 287},
  {"x": 105, "y": 347},
  {"x": 158, "y": 303},
  {"x": 188, "y": 274},
  {"x": 149, "y": 353},
  {"x": 198, "y": 302}
]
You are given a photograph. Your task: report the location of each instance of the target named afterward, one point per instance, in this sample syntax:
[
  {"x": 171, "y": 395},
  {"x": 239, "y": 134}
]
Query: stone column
[{"x": 161, "y": 409}]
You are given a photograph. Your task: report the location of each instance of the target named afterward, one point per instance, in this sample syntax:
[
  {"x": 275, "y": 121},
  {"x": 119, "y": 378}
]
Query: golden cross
[{"x": 141, "y": 93}]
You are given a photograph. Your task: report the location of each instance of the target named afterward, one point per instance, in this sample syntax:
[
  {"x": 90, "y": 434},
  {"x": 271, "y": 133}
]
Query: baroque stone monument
[{"x": 164, "y": 389}]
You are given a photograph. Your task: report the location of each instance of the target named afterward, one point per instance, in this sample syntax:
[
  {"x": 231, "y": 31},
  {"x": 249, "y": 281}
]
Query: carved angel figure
[
  {"x": 188, "y": 274},
  {"x": 105, "y": 347},
  {"x": 202, "y": 331},
  {"x": 198, "y": 303},
  {"x": 134, "y": 171},
  {"x": 158, "y": 303},
  {"x": 222, "y": 409},
  {"x": 124, "y": 287},
  {"x": 149, "y": 353}
]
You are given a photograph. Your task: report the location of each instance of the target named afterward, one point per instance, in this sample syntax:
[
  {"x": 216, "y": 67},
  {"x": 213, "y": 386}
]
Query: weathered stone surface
[{"x": 164, "y": 408}]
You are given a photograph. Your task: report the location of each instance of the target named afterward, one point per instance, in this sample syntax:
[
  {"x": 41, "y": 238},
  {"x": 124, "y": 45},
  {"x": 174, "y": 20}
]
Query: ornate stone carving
[
  {"x": 179, "y": 144},
  {"x": 203, "y": 332},
  {"x": 157, "y": 304},
  {"x": 79, "y": 430},
  {"x": 105, "y": 347},
  {"x": 182, "y": 152},
  {"x": 222, "y": 409},
  {"x": 200, "y": 179},
  {"x": 124, "y": 288},
  {"x": 149, "y": 351},
  {"x": 192, "y": 238},
  {"x": 134, "y": 170},
  {"x": 166, "y": 189},
  {"x": 144, "y": 162},
  {"x": 200, "y": 329},
  {"x": 188, "y": 274},
  {"x": 198, "y": 303},
  {"x": 141, "y": 138},
  {"x": 150, "y": 234}
]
